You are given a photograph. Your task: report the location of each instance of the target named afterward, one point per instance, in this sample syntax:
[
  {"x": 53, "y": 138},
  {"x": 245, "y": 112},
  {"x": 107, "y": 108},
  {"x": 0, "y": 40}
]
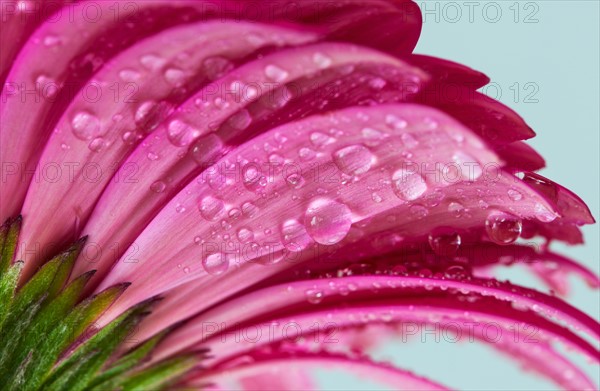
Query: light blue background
[{"x": 559, "y": 53}]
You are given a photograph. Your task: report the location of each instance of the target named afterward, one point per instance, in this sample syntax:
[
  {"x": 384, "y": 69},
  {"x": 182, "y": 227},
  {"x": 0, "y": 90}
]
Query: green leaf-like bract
[{"x": 47, "y": 333}]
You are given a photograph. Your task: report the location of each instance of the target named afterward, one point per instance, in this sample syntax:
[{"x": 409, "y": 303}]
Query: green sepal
[
  {"x": 161, "y": 375},
  {"x": 79, "y": 369},
  {"x": 48, "y": 318},
  {"x": 9, "y": 235},
  {"x": 128, "y": 361},
  {"x": 72, "y": 327},
  {"x": 8, "y": 286}
]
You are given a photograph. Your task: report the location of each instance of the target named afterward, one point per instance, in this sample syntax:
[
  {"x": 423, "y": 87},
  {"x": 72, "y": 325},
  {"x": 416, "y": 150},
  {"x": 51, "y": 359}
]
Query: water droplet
[
  {"x": 85, "y": 125},
  {"x": 408, "y": 185},
  {"x": 295, "y": 181},
  {"x": 469, "y": 167},
  {"x": 396, "y": 123},
  {"x": 245, "y": 235},
  {"x": 503, "y": 228},
  {"x": 148, "y": 115},
  {"x": 152, "y": 156},
  {"x": 240, "y": 120},
  {"x": 327, "y": 221},
  {"x": 306, "y": 154},
  {"x": 48, "y": 87},
  {"x": 207, "y": 149},
  {"x": 152, "y": 62},
  {"x": 130, "y": 137},
  {"x": 181, "y": 134},
  {"x": 321, "y": 60},
  {"x": 129, "y": 75},
  {"x": 514, "y": 195},
  {"x": 275, "y": 73},
  {"x": 158, "y": 186},
  {"x": 295, "y": 237},
  {"x": 52, "y": 40},
  {"x": 314, "y": 296},
  {"x": 211, "y": 208},
  {"x": 175, "y": 77},
  {"x": 249, "y": 209},
  {"x": 409, "y": 140},
  {"x": 97, "y": 144},
  {"x": 180, "y": 208},
  {"x": 216, "y": 263},
  {"x": 376, "y": 197},
  {"x": 319, "y": 139},
  {"x": 353, "y": 160},
  {"x": 215, "y": 67},
  {"x": 543, "y": 214},
  {"x": 444, "y": 242}
]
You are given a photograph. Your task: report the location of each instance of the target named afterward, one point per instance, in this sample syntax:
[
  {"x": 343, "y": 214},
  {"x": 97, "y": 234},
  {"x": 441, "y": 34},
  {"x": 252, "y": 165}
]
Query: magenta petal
[
  {"x": 280, "y": 363},
  {"x": 149, "y": 70},
  {"x": 359, "y": 143}
]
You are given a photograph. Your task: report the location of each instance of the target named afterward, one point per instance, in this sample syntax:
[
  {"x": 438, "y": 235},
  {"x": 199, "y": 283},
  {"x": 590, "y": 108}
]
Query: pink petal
[
  {"x": 169, "y": 262},
  {"x": 277, "y": 364}
]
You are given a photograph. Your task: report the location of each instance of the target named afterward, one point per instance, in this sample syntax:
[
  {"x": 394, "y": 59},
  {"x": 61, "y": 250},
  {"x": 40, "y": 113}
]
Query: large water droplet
[
  {"x": 245, "y": 235},
  {"x": 158, "y": 186},
  {"x": 314, "y": 296},
  {"x": 295, "y": 237},
  {"x": 97, "y": 144},
  {"x": 408, "y": 185},
  {"x": 152, "y": 62},
  {"x": 327, "y": 221},
  {"x": 211, "y": 208},
  {"x": 444, "y": 242},
  {"x": 353, "y": 160},
  {"x": 249, "y": 209},
  {"x": 216, "y": 263},
  {"x": 276, "y": 73},
  {"x": 240, "y": 120},
  {"x": 322, "y": 60},
  {"x": 181, "y": 134},
  {"x": 207, "y": 149},
  {"x": 503, "y": 228},
  {"x": 215, "y": 67},
  {"x": 85, "y": 125}
]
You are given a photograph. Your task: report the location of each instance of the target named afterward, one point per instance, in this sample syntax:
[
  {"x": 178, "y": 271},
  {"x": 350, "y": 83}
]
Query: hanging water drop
[
  {"x": 327, "y": 221},
  {"x": 503, "y": 228}
]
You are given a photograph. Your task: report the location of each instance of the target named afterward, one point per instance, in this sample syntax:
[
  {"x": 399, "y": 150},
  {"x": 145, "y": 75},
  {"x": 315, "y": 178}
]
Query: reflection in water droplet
[
  {"x": 249, "y": 209},
  {"x": 211, "y": 208},
  {"x": 353, "y": 160},
  {"x": 245, "y": 235},
  {"x": 97, "y": 144},
  {"x": 321, "y": 60},
  {"x": 216, "y": 263},
  {"x": 444, "y": 242},
  {"x": 503, "y": 228},
  {"x": 314, "y": 296},
  {"x": 327, "y": 221},
  {"x": 207, "y": 149},
  {"x": 181, "y": 134},
  {"x": 408, "y": 185},
  {"x": 85, "y": 125},
  {"x": 158, "y": 186},
  {"x": 295, "y": 237},
  {"x": 275, "y": 73},
  {"x": 295, "y": 181}
]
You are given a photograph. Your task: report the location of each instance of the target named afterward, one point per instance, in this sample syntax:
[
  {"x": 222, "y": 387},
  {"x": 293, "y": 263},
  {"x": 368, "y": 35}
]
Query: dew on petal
[
  {"x": 207, "y": 149},
  {"x": 354, "y": 159},
  {"x": 327, "y": 221},
  {"x": 245, "y": 235},
  {"x": 444, "y": 242},
  {"x": 322, "y": 60},
  {"x": 408, "y": 185},
  {"x": 181, "y": 134},
  {"x": 543, "y": 214},
  {"x": 503, "y": 228},
  {"x": 276, "y": 73},
  {"x": 514, "y": 195},
  {"x": 152, "y": 62},
  {"x": 395, "y": 123},
  {"x": 295, "y": 181},
  {"x": 175, "y": 77},
  {"x": 85, "y": 125},
  {"x": 240, "y": 120},
  {"x": 295, "y": 237},
  {"x": 216, "y": 263},
  {"x": 211, "y": 208},
  {"x": 97, "y": 144},
  {"x": 314, "y": 296},
  {"x": 158, "y": 186},
  {"x": 249, "y": 209}
]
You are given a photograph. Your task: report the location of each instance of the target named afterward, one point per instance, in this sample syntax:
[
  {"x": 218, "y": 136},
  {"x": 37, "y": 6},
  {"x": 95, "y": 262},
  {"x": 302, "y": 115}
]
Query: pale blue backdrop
[{"x": 543, "y": 57}]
